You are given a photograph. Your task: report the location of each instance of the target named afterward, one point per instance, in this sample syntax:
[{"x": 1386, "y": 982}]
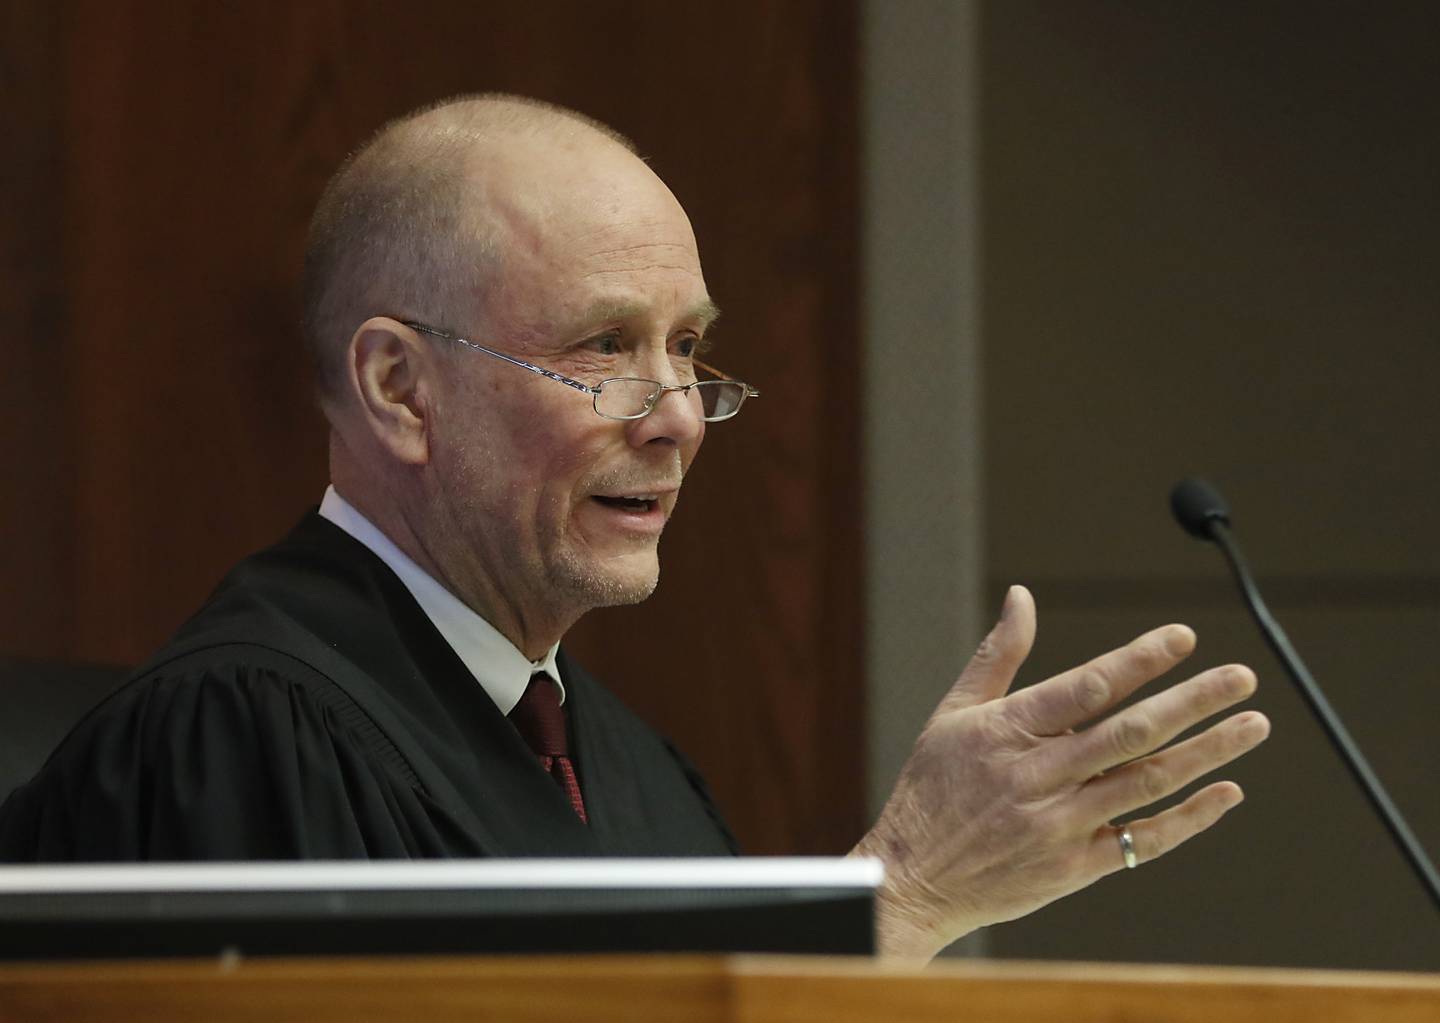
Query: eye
[
  {"x": 689, "y": 346},
  {"x": 605, "y": 344}
]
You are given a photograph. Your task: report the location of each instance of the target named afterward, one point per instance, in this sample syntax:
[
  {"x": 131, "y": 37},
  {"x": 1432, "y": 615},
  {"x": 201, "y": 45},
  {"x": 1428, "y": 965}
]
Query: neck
[{"x": 531, "y": 634}]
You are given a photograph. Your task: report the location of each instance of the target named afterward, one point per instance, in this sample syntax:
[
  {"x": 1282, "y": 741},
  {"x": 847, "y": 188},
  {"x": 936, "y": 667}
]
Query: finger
[
  {"x": 1142, "y": 782},
  {"x": 1155, "y": 836},
  {"x": 1151, "y": 723},
  {"x": 1001, "y": 652},
  {"x": 1075, "y": 696}
]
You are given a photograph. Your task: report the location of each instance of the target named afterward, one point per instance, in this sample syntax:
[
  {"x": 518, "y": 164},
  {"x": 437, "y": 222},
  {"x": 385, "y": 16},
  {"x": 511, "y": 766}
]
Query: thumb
[{"x": 989, "y": 674}]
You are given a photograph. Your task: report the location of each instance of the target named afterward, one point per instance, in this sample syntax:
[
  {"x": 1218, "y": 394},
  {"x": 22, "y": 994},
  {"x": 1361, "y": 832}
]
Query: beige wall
[
  {"x": 923, "y": 557},
  {"x": 1210, "y": 246},
  {"x": 924, "y": 569}
]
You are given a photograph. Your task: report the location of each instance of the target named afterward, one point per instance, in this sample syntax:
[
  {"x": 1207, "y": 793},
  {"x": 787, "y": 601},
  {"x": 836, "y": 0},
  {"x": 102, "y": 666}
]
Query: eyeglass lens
[{"x": 626, "y": 397}]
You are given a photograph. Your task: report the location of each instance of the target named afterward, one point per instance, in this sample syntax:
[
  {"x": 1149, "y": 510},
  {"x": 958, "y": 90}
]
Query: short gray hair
[{"x": 392, "y": 233}]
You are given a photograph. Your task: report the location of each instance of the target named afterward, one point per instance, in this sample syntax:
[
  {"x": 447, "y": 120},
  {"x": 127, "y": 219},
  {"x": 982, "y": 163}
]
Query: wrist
[{"x": 904, "y": 914}]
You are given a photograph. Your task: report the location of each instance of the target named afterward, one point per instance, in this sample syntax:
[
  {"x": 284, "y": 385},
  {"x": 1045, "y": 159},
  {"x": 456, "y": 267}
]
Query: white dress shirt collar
[{"x": 502, "y": 670}]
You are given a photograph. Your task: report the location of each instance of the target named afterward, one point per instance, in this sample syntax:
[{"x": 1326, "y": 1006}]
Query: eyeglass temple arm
[
  {"x": 750, "y": 392},
  {"x": 557, "y": 377}
]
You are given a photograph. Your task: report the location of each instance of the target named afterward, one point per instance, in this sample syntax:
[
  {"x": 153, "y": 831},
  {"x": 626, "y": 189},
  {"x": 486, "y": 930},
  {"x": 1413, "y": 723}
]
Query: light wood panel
[{"x": 700, "y": 990}]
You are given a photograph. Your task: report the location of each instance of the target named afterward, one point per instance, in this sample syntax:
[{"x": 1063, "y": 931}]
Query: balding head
[
  {"x": 535, "y": 231},
  {"x": 405, "y": 227}
]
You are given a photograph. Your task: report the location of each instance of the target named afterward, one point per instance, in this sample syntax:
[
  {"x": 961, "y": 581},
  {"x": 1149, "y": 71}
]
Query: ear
[{"x": 388, "y": 365}]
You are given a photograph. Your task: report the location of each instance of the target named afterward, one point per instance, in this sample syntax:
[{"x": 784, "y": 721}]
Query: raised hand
[{"x": 1005, "y": 803}]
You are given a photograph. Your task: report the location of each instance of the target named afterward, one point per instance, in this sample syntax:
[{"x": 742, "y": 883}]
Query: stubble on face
[
  {"x": 588, "y": 580},
  {"x": 552, "y": 548}
]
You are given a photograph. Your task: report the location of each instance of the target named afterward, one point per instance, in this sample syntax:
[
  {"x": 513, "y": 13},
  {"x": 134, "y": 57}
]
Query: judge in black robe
[{"x": 311, "y": 710}]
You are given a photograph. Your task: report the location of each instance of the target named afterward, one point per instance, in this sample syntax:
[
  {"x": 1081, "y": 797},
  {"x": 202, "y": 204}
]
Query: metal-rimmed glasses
[{"x": 627, "y": 398}]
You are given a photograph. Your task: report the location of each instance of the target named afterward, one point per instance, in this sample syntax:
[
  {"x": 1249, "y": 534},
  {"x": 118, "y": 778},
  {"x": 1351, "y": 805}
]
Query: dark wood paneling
[
  {"x": 172, "y": 157},
  {"x": 36, "y": 428}
]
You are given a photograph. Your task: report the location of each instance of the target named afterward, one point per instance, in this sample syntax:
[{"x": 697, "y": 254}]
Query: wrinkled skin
[{"x": 1006, "y": 801}]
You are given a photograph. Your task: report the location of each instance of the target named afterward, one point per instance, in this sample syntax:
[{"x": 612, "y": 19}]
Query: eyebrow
[{"x": 704, "y": 312}]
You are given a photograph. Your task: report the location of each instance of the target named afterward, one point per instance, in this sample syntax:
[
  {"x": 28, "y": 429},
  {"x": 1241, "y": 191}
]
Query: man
[{"x": 507, "y": 307}]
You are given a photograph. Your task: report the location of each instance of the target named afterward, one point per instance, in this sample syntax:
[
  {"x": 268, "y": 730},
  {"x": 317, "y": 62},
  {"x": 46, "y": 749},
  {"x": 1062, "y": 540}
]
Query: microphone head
[{"x": 1197, "y": 507}]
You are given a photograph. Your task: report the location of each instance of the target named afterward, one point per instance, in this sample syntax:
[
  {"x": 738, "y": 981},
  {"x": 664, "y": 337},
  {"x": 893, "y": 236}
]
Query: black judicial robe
[{"x": 310, "y": 710}]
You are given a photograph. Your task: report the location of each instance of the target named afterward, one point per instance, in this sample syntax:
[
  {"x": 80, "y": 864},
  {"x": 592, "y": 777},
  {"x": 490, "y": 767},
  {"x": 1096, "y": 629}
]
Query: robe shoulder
[
  {"x": 310, "y": 710},
  {"x": 235, "y": 751}
]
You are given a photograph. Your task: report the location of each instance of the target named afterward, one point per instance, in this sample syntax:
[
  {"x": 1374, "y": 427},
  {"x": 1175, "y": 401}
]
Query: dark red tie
[{"x": 541, "y": 723}]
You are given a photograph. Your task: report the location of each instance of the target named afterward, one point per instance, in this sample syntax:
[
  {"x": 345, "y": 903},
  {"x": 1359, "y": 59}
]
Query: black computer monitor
[{"x": 792, "y": 905}]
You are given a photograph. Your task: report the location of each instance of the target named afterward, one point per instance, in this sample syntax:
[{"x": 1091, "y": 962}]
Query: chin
[{"x": 626, "y": 580}]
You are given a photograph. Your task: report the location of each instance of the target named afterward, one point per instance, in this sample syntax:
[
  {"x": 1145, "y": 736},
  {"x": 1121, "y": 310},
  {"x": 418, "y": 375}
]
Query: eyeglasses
[{"x": 632, "y": 397}]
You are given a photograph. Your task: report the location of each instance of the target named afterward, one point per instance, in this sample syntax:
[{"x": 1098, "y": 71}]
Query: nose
[{"x": 676, "y": 419}]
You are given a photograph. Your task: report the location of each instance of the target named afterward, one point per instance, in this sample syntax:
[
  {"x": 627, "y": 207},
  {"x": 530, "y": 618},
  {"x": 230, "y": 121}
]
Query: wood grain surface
[{"x": 701, "y": 989}]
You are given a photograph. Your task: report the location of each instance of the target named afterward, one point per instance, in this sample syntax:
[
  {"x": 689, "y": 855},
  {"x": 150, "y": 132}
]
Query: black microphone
[
  {"x": 1200, "y": 509},
  {"x": 1197, "y": 505}
]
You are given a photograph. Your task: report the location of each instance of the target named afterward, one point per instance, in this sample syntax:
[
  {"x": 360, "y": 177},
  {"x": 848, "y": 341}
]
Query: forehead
[{"x": 588, "y": 233}]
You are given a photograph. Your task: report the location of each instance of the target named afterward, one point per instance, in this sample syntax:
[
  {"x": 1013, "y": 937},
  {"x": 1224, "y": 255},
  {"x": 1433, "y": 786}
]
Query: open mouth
[{"x": 636, "y": 503}]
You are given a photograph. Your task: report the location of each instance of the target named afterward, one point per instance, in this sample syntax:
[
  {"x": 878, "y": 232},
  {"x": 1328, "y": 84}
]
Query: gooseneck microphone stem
[{"x": 1340, "y": 738}]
